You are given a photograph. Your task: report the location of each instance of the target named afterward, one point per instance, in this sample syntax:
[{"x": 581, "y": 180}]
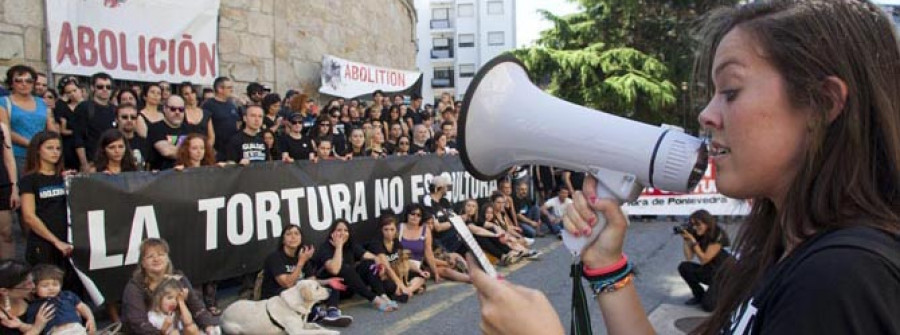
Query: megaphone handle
[{"x": 628, "y": 188}]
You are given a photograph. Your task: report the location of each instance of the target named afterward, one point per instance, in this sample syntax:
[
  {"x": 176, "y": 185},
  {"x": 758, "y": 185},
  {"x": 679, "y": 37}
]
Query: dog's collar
[{"x": 269, "y": 314}]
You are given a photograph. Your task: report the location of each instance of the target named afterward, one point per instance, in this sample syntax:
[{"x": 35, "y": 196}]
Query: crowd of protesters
[{"x": 98, "y": 126}]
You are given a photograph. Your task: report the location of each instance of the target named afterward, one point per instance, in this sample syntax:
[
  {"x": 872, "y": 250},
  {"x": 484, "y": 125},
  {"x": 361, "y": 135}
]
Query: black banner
[{"x": 223, "y": 222}]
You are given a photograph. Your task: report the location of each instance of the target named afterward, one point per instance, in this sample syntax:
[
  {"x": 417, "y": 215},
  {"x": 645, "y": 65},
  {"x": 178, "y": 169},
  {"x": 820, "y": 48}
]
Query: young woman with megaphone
[{"x": 804, "y": 120}]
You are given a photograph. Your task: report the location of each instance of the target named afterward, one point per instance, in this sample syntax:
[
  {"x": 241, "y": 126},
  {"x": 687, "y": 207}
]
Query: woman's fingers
[{"x": 573, "y": 222}]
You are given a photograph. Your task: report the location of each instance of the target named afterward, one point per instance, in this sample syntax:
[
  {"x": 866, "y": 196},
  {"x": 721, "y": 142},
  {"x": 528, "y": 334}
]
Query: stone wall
[{"x": 276, "y": 42}]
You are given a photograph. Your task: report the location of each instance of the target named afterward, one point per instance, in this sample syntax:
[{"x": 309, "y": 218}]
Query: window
[
  {"x": 441, "y": 43},
  {"x": 440, "y": 14},
  {"x": 495, "y": 38},
  {"x": 466, "y": 70},
  {"x": 466, "y": 40},
  {"x": 466, "y": 10},
  {"x": 495, "y": 7}
]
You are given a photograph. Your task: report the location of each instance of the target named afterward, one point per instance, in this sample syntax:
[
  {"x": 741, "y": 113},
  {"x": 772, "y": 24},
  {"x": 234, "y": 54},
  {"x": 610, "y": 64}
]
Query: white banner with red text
[
  {"x": 145, "y": 40},
  {"x": 705, "y": 196},
  {"x": 349, "y": 79}
]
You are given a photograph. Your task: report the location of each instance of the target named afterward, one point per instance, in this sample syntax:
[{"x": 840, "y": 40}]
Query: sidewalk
[{"x": 671, "y": 319}]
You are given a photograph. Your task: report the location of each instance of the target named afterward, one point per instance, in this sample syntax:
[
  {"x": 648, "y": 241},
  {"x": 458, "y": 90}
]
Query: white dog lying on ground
[{"x": 282, "y": 314}]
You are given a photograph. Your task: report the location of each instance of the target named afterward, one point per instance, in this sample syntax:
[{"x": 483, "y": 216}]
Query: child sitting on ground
[
  {"x": 169, "y": 313},
  {"x": 70, "y": 310}
]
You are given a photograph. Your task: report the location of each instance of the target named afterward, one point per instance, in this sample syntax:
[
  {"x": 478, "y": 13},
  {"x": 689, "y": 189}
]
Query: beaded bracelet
[{"x": 612, "y": 287}]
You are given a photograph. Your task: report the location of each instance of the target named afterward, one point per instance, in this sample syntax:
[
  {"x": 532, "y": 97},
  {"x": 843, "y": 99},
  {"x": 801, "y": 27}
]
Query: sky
[{"x": 529, "y": 23}]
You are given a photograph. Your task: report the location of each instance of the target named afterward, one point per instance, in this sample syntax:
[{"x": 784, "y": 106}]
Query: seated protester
[
  {"x": 528, "y": 213},
  {"x": 527, "y": 230},
  {"x": 554, "y": 208},
  {"x": 272, "y": 151},
  {"x": 402, "y": 148},
  {"x": 450, "y": 265},
  {"x": 113, "y": 154},
  {"x": 421, "y": 140},
  {"x": 290, "y": 263},
  {"x": 514, "y": 237},
  {"x": 338, "y": 257},
  {"x": 154, "y": 266},
  {"x": 400, "y": 286},
  {"x": 491, "y": 241},
  {"x": 705, "y": 241},
  {"x": 69, "y": 310},
  {"x": 167, "y": 135},
  {"x": 126, "y": 119},
  {"x": 438, "y": 206},
  {"x": 247, "y": 146},
  {"x": 293, "y": 144}
]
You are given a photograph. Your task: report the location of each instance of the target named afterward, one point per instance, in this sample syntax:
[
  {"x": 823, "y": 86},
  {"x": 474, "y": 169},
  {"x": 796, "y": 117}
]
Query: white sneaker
[{"x": 529, "y": 241}]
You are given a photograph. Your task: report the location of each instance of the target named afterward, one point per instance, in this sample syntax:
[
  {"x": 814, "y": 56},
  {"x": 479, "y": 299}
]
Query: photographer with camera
[{"x": 703, "y": 239}]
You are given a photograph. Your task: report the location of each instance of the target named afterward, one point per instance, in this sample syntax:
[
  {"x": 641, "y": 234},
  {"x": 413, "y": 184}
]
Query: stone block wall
[{"x": 276, "y": 42}]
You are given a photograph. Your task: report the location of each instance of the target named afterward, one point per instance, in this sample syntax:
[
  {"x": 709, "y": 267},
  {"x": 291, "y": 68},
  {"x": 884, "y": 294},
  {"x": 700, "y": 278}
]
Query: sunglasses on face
[
  {"x": 175, "y": 109},
  {"x": 129, "y": 117},
  {"x": 103, "y": 87},
  {"x": 23, "y": 80},
  {"x": 296, "y": 122},
  {"x": 415, "y": 214}
]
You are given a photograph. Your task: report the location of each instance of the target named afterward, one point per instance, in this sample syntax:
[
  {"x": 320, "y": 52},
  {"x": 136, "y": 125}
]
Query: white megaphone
[{"x": 506, "y": 121}]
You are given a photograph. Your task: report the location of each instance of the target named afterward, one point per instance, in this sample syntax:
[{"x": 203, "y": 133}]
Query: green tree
[{"x": 627, "y": 57}]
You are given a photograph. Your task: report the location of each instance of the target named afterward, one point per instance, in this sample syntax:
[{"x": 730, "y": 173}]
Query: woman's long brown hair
[{"x": 850, "y": 173}]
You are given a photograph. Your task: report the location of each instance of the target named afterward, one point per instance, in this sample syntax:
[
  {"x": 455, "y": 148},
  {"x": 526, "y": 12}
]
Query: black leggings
[
  {"x": 492, "y": 245},
  {"x": 355, "y": 283}
]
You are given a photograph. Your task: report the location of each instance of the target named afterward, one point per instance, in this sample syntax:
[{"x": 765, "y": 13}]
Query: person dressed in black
[
  {"x": 290, "y": 263},
  {"x": 224, "y": 115},
  {"x": 338, "y": 257},
  {"x": 438, "y": 206},
  {"x": 126, "y": 121},
  {"x": 44, "y": 207},
  {"x": 389, "y": 251},
  {"x": 248, "y": 146},
  {"x": 93, "y": 117},
  {"x": 293, "y": 144},
  {"x": 167, "y": 135},
  {"x": 706, "y": 243}
]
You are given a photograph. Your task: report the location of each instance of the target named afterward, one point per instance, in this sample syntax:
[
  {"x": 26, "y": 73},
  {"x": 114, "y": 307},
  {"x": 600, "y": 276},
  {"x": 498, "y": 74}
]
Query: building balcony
[
  {"x": 442, "y": 54},
  {"x": 441, "y": 82},
  {"x": 441, "y": 24}
]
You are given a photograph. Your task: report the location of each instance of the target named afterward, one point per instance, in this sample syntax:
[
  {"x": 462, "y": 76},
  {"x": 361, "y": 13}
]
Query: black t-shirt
[
  {"x": 242, "y": 146},
  {"x": 225, "y": 118},
  {"x": 4, "y": 174},
  {"x": 91, "y": 124},
  {"x": 377, "y": 247},
  {"x": 325, "y": 251},
  {"x": 140, "y": 148},
  {"x": 441, "y": 210},
  {"x": 268, "y": 123},
  {"x": 280, "y": 264},
  {"x": 50, "y": 202},
  {"x": 720, "y": 237},
  {"x": 161, "y": 131},
  {"x": 201, "y": 127},
  {"x": 415, "y": 148},
  {"x": 296, "y": 148},
  {"x": 841, "y": 282},
  {"x": 521, "y": 205}
]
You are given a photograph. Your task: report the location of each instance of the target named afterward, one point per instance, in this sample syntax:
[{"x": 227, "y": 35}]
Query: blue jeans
[{"x": 527, "y": 230}]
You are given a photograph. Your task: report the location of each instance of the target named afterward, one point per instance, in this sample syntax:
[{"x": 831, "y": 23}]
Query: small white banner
[
  {"x": 348, "y": 79},
  {"x": 704, "y": 196},
  {"x": 145, "y": 40}
]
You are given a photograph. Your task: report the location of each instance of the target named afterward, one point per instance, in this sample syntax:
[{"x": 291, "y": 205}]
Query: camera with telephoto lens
[{"x": 677, "y": 230}]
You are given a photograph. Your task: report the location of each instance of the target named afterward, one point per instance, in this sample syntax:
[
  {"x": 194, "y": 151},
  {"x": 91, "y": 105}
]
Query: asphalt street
[{"x": 453, "y": 308}]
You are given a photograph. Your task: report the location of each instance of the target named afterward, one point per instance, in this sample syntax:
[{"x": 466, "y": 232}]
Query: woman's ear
[{"x": 836, "y": 91}]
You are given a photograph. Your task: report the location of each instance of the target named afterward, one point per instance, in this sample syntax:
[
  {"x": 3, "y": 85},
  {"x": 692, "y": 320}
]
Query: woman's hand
[
  {"x": 512, "y": 309},
  {"x": 580, "y": 219},
  {"x": 306, "y": 253},
  {"x": 337, "y": 283},
  {"x": 14, "y": 200},
  {"x": 688, "y": 238},
  {"x": 64, "y": 248}
]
